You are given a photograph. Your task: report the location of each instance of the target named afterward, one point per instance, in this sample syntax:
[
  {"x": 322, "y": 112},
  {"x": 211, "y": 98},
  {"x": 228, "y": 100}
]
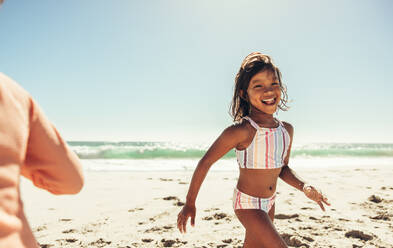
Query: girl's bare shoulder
[{"x": 240, "y": 131}]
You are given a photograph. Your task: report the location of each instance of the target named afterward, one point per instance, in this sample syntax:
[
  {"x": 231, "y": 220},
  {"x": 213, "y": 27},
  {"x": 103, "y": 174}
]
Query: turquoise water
[{"x": 167, "y": 150}]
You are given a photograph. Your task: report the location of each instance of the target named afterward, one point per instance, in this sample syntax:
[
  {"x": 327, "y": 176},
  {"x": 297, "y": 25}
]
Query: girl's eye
[
  {"x": 257, "y": 86},
  {"x": 275, "y": 83}
]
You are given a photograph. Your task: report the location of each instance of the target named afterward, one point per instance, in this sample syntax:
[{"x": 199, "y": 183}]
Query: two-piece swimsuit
[{"x": 267, "y": 150}]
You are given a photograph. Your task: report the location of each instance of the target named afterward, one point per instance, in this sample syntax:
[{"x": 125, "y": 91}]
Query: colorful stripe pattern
[
  {"x": 267, "y": 150},
  {"x": 244, "y": 201}
]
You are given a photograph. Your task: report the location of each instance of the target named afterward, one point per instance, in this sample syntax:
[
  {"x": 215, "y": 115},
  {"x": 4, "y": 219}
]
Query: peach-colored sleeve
[{"x": 49, "y": 162}]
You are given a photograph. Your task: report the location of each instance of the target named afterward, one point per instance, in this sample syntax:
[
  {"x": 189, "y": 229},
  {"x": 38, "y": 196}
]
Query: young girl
[{"x": 262, "y": 144}]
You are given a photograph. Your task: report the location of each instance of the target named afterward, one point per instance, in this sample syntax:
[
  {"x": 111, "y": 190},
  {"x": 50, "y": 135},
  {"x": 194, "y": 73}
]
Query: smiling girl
[{"x": 262, "y": 144}]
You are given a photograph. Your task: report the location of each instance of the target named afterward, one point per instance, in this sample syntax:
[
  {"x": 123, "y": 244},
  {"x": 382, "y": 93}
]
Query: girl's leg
[{"x": 260, "y": 231}]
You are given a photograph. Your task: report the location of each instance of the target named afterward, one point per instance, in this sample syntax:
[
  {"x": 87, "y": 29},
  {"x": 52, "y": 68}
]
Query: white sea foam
[{"x": 225, "y": 164}]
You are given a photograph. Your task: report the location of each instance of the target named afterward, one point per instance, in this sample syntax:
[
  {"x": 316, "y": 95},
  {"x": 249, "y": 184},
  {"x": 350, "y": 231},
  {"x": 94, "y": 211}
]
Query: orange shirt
[{"x": 30, "y": 146}]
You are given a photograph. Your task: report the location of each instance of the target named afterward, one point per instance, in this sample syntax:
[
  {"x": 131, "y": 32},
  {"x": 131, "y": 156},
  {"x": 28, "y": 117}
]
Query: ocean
[{"x": 167, "y": 156}]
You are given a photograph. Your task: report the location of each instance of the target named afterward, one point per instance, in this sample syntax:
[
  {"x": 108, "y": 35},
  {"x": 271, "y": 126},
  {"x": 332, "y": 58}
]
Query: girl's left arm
[
  {"x": 290, "y": 177},
  {"x": 287, "y": 174}
]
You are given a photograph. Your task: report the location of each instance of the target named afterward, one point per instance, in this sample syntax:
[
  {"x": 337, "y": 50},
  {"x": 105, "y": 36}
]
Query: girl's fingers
[
  {"x": 179, "y": 226},
  {"x": 321, "y": 205},
  {"x": 325, "y": 200},
  {"x": 181, "y": 221},
  {"x": 317, "y": 196},
  {"x": 184, "y": 224}
]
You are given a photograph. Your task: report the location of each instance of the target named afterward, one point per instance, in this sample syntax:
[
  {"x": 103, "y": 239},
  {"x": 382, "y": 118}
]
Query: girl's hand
[
  {"x": 315, "y": 195},
  {"x": 182, "y": 218}
]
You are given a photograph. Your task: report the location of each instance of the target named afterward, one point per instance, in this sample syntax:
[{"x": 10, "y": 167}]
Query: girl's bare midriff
[{"x": 257, "y": 182}]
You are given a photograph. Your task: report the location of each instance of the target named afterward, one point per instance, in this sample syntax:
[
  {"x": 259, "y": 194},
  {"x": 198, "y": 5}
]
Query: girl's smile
[{"x": 270, "y": 101}]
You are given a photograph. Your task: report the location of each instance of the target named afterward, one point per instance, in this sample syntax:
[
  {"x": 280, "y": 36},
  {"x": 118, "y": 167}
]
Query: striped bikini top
[{"x": 267, "y": 150}]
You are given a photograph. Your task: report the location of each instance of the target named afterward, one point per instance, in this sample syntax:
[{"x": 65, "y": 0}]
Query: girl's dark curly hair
[{"x": 254, "y": 63}]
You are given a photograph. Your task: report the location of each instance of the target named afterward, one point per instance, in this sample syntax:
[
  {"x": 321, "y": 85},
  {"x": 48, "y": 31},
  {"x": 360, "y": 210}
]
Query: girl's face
[{"x": 264, "y": 92}]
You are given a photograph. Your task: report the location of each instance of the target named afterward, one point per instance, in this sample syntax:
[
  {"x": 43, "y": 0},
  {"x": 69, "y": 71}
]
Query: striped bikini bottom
[{"x": 244, "y": 201}]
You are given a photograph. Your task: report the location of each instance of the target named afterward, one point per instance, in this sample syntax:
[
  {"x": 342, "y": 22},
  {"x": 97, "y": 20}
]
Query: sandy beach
[{"x": 139, "y": 209}]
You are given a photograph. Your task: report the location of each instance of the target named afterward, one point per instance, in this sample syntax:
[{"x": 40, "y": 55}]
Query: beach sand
[{"x": 139, "y": 209}]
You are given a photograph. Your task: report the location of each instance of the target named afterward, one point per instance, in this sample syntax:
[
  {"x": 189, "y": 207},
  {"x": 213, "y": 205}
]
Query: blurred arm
[{"x": 49, "y": 162}]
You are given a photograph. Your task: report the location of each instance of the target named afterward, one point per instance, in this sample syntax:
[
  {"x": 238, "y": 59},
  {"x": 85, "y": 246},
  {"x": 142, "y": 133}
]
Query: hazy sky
[{"x": 164, "y": 70}]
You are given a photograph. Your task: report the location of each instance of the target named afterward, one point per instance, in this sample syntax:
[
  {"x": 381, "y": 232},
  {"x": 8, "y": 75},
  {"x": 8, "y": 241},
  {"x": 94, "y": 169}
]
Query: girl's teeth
[{"x": 268, "y": 101}]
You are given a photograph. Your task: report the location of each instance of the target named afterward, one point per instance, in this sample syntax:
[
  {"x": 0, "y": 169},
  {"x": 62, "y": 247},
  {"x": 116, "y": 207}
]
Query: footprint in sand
[
  {"x": 171, "y": 198},
  {"x": 70, "y": 231},
  {"x": 159, "y": 216},
  {"x": 71, "y": 240},
  {"x": 64, "y": 242},
  {"x": 46, "y": 245},
  {"x": 86, "y": 230},
  {"x": 66, "y": 220},
  {"x": 211, "y": 209},
  {"x": 291, "y": 240},
  {"x": 306, "y": 228},
  {"x": 359, "y": 235},
  {"x": 147, "y": 240},
  {"x": 40, "y": 228},
  {"x": 342, "y": 219},
  {"x": 100, "y": 243},
  {"x": 227, "y": 241},
  {"x": 171, "y": 242},
  {"x": 309, "y": 239},
  {"x": 159, "y": 230},
  {"x": 134, "y": 209},
  {"x": 166, "y": 179},
  {"x": 383, "y": 216},
  {"x": 168, "y": 227},
  {"x": 285, "y": 216},
  {"x": 153, "y": 229},
  {"x": 174, "y": 198},
  {"x": 219, "y": 216},
  {"x": 207, "y": 218},
  {"x": 375, "y": 198}
]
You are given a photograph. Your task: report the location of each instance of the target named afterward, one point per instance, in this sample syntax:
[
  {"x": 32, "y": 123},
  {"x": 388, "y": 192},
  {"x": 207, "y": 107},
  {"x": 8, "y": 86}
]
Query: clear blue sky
[{"x": 164, "y": 70}]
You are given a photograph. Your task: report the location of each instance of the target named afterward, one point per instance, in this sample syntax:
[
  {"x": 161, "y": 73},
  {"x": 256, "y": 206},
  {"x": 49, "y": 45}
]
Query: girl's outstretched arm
[
  {"x": 290, "y": 177},
  {"x": 229, "y": 139}
]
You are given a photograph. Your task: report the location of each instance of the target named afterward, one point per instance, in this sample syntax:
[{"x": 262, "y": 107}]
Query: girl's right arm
[{"x": 228, "y": 140}]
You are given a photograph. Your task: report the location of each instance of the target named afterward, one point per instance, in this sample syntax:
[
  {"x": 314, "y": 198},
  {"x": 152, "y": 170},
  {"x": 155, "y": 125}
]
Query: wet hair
[{"x": 254, "y": 63}]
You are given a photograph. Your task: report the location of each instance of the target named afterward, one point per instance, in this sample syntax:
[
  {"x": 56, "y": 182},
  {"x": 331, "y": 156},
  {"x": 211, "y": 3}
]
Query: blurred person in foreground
[{"x": 29, "y": 146}]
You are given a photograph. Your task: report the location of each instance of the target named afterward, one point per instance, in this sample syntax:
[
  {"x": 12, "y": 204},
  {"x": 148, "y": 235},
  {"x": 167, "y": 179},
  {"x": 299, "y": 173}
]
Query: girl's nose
[{"x": 268, "y": 89}]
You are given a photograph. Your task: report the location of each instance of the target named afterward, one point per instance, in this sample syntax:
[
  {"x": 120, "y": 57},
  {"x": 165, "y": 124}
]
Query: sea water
[{"x": 171, "y": 156}]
